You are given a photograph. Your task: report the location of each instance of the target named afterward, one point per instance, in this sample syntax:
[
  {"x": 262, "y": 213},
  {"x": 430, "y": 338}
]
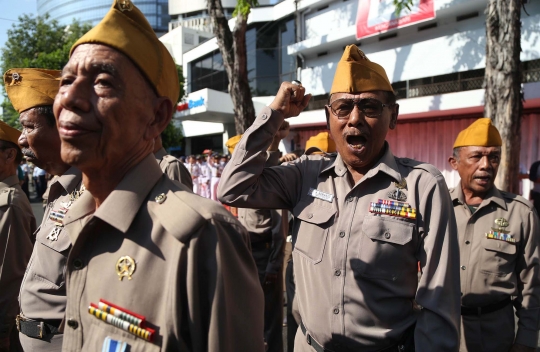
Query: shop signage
[
  {"x": 377, "y": 16},
  {"x": 190, "y": 104}
]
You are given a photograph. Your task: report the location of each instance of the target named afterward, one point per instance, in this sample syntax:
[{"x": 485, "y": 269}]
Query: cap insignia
[{"x": 125, "y": 5}]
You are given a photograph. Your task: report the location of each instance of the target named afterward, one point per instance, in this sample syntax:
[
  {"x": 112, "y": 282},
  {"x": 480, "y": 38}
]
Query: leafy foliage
[
  {"x": 37, "y": 42},
  {"x": 402, "y": 4},
  {"x": 171, "y": 136},
  {"x": 244, "y": 7}
]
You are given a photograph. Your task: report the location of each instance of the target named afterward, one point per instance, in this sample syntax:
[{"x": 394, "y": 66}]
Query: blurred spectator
[{"x": 40, "y": 180}]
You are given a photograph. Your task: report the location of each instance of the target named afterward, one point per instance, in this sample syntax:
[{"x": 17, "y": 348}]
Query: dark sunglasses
[{"x": 342, "y": 108}]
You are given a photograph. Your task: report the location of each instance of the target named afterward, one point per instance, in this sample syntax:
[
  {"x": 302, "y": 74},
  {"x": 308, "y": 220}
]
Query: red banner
[{"x": 378, "y": 16}]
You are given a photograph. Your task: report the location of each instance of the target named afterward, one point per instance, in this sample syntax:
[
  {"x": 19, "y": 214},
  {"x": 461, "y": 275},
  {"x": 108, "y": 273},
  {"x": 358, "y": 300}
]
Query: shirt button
[
  {"x": 463, "y": 267},
  {"x": 309, "y": 215},
  {"x": 264, "y": 116},
  {"x": 336, "y": 311},
  {"x": 337, "y": 272},
  {"x": 342, "y": 234},
  {"x": 73, "y": 324},
  {"x": 387, "y": 235},
  {"x": 77, "y": 264},
  {"x": 467, "y": 242}
]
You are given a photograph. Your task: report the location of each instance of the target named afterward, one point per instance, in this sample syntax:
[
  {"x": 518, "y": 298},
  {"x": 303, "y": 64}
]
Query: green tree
[{"x": 37, "y": 42}]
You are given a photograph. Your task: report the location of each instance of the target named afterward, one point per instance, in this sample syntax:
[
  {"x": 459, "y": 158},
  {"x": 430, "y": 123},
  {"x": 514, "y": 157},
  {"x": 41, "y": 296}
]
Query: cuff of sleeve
[
  {"x": 527, "y": 337},
  {"x": 269, "y": 119}
]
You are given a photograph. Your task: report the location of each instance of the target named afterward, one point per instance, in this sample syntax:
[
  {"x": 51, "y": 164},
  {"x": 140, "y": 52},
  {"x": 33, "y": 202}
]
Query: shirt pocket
[
  {"x": 313, "y": 223},
  {"x": 51, "y": 257},
  {"x": 386, "y": 249},
  {"x": 94, "y": 338},
  {"x": 498, "y": 257}
]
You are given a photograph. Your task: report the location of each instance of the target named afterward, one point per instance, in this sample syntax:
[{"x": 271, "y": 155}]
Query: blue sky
[{"x": 11, "y": 10}]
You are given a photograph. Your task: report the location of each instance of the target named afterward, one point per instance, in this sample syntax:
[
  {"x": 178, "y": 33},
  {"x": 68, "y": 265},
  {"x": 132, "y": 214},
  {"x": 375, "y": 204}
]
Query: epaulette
[
  {"x": 5, "y": 197},
  {"x": 170, "y": 159},
  {"x": 419, "y": 165},
  {"x": 517, "y": 198}
]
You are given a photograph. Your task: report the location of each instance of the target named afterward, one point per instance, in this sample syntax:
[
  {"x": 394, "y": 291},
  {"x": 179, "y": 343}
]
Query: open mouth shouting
[{"x": 356, "y": 142}]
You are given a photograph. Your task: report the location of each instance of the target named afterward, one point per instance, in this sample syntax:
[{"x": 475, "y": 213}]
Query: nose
[
  {"x": 74, "y": 97},
  {"x": 23, "y": 141},
  {"x": 484, "y": 163},
  {"x": 356, "y": 117}
]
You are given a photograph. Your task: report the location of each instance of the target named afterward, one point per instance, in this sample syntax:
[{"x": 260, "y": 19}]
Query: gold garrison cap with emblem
[
  {"x": 480, "y": 133},
  {"x": 31, "y": 87},
  {"x": 8, "y": 133},
  {"x": 125, "y": 29},
  {"x": 355, "y": 74},
  {"x": 323, "y": 142},
  {"x": 232, "y": 142}
]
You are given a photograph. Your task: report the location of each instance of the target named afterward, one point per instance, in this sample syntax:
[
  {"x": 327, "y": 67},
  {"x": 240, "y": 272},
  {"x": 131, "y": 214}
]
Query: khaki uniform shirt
[
  {"x": 17, "y": 224},
  {"x": 194, "y": 279},
  {"x": 356, "y": 272},
  {"x": 43, "y": 290},
  {"x": 174, "y": 168},
  {"x": 493, "y": 270}
]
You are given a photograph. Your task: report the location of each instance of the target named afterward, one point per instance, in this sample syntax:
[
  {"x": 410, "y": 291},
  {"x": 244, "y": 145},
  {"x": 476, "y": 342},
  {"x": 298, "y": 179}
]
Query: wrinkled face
[
  {"x": 359, "y": 139},
  {"x": 39, "y": 139},
  {"x": 477, "y": 167},
  {"x": 103, "y": 109}
]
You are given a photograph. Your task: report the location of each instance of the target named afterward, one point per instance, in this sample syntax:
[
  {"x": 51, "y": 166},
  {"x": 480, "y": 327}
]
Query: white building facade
[{"x": 436, "y": 67}]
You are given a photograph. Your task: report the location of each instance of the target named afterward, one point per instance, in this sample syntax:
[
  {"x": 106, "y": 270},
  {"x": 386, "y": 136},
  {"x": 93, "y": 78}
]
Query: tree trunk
[
  {"x": 503, "y": 97},
  {"x": 232, "y": 46}
]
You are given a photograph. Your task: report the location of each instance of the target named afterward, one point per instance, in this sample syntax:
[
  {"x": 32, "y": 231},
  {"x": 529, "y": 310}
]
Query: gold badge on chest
[
  {"x": 500, "y": 233},
  {"x": 125, "y": 267}
]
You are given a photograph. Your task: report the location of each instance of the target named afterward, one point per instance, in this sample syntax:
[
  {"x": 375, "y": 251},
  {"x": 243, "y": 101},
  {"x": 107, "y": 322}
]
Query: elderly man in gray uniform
[
  {"x": 499, "y": 240},
  {"x": 43, "y": 290},
  {"x": 365, "y": 218}
]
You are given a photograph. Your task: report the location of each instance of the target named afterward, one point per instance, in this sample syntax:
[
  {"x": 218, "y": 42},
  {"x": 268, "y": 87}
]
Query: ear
[
  {"x": 163, "y": 110},
  {"x": 453, "y": 162},
  {"x": 327, "y": 112},
  {"x": 11, "y": 155},
  {"x": 395, "y": 113}
]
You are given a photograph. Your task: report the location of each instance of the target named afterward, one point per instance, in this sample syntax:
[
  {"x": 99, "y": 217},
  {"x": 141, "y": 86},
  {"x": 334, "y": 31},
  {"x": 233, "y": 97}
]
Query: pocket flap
[
  {"x": 61, "y": 244},
  {"x": 387, "y": 229},
  {"x": 500, "y": 246},
  {"x": 313, "y": 213}
]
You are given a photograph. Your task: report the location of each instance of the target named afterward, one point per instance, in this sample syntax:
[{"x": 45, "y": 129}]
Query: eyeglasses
[{"x": 342, "y": 108}]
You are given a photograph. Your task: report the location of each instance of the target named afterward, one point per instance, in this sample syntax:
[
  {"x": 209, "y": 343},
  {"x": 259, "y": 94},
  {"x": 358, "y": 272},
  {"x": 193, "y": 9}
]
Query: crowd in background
[{"x": 205, "y": 172}]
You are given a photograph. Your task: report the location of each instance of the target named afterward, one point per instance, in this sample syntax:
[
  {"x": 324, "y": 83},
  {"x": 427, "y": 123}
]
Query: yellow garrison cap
[
  {"x": 480, "y": 133},
  {"x": 8, "y": 133},
  {"x": 125, "y": 29},
  {"x": 31, "y": 87},
  {"x": 232, "y": 142},
  {"x": 322, "y": 141},
  {"x": 355, "y": 74}
]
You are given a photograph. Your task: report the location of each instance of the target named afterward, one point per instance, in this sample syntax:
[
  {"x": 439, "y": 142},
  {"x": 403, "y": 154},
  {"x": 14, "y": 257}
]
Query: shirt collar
[
  {"x": 387, "y": 164},
  {"x": 160, "y": 154},
  {"x": 493, "y": 195},
  {"x": 9, "y": 181},
  {"x": 121, "y": 206},
  {"x": 69, "y": 180}
]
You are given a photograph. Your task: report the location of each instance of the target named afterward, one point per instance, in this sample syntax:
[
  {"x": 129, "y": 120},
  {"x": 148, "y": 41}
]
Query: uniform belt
[
  {"x": 35, "y": 328},
  {"x": 485, "y": 309},
  {"x": 311, "y": 341}
]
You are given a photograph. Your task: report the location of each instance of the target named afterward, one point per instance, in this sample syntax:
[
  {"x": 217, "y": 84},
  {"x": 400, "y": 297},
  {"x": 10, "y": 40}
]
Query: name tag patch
[{"x": 315, "y": 193}]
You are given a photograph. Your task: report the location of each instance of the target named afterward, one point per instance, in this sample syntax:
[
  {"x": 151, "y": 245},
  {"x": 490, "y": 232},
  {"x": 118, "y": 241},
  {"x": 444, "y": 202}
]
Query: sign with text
[{"x": 378, "y": 16}]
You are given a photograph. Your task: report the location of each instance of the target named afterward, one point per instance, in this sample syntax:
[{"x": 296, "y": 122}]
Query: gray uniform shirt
[
  {"x": 43, "y": 290},
  {"x": 356, "y": 272},
  {"x": 492, "y": 270}
]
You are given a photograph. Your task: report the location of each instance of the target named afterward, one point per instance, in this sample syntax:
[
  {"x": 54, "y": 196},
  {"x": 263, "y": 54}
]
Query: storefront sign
[
  {"x": 377, "y": 16},
  {"x": 190, "y": 104}
]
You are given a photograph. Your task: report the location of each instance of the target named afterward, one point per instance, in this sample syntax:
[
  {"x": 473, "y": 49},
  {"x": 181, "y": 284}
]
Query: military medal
[
  {"x": 111, "y": 345},
  {"x": 58, "y": 215},
  {"x": 121, "y": 318},
  {"x": 125, "y": 267},
  {"x": 398, "y": 193},
  {"x": 389, "y": 207},
  {"x": 499, "y": 232}
]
